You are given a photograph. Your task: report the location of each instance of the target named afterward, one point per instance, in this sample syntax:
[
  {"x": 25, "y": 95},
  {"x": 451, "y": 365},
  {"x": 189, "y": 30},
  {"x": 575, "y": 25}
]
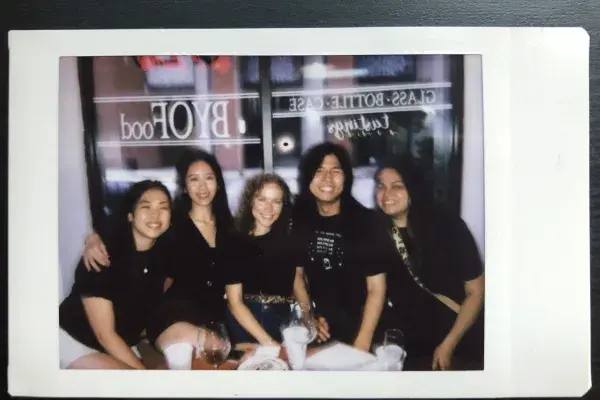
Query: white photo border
[{"x": 536, "y": 132}]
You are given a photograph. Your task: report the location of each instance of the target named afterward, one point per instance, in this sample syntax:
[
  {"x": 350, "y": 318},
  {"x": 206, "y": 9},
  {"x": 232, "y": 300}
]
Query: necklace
[{"x": 202, "y": 222}]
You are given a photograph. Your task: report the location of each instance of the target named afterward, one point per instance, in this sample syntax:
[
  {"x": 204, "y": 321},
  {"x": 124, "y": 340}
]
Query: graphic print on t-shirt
[{"x": 325, "y": 250}]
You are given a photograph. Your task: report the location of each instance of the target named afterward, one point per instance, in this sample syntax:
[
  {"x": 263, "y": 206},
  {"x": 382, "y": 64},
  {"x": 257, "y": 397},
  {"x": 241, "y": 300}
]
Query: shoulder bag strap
[{"x": 401, "y": 247}]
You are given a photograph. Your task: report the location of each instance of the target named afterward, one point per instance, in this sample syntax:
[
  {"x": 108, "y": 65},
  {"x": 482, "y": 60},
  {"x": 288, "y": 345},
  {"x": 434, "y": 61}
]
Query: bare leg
[
  {"x": 97, "y": 361},
  {"x": 179, "y": 332}
]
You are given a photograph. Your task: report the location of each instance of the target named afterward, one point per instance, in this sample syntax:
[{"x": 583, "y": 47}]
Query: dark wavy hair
[
  {"x": 305, "y": 206},
  {"x": 220, "y": 204},
  {"x": 121, "y": 239},
  {"x": 245, "y": 219}
]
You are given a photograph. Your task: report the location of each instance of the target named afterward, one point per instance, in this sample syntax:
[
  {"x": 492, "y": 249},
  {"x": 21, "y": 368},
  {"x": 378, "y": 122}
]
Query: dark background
[{"x": 152, "y": 14}]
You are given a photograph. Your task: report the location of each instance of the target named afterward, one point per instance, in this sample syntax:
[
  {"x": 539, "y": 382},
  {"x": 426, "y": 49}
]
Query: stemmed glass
[
  {"x": 213, "y": 344},
  {"x": 297, "y": 332}
]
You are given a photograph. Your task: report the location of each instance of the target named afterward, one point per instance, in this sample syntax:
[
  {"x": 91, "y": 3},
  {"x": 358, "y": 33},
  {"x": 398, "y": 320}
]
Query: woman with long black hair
[
  {"x": 199, "y": 245},
  {"x": 436, "y": 285},
  {"x": 102, "y": 319}
]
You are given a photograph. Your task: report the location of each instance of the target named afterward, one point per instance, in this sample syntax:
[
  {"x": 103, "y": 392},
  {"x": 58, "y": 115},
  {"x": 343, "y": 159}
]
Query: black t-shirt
[
  {"x": 265, "y": 264},
  {"x": 133, "y": 283},
  {"x": 341, "y": 251},
  {"x": 443, "y": 267},
  {"x": 452, "y": 260}
]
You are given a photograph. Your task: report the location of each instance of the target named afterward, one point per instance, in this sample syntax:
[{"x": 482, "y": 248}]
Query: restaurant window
[
  {"x": 376, "y": 106},
  {"x": 148, "y": 110}
]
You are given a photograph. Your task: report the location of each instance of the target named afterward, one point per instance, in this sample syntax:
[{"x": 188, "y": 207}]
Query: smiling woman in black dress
[{"x": 202, "y": 237}]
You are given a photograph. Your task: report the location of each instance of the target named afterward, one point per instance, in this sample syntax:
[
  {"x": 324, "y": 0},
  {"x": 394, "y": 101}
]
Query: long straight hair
[{"x": 220, "y": 204}]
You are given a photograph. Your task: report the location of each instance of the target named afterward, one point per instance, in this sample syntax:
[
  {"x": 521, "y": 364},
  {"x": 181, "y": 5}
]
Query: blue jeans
[{"x": 269, "y": 315}]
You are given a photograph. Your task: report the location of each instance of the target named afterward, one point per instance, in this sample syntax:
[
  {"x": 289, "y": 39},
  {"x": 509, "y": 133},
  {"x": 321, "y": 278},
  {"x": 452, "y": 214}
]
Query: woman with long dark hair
[
  {"x": 436, "y": 286},
  {"x": 102, "y": 319},
  {"x": 199, "y": 245},
  {"x": 342, "y": 258},
  {"x": 202, "y": 234},
  {"x": 259, "y": 290}
]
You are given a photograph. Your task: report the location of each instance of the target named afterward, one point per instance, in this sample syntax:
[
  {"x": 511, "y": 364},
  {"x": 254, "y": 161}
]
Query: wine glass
[
  {"x": 298, "y": 331},
  {"x": 391, "y": 353},
  {"x": 213, "y": 344}
]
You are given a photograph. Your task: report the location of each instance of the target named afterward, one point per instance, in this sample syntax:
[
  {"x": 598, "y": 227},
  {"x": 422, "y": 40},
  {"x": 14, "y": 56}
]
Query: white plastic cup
[
  {"x": 390, "y": 357},
  {"x": 179, "y": 356},
  {"x": 295, "y": 340}
]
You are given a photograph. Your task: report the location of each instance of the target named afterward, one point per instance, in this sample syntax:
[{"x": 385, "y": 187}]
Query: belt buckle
[{"x": 262, "y": 297}]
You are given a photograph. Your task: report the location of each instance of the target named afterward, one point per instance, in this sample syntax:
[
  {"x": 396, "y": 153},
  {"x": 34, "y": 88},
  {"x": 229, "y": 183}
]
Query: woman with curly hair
[{"x": 259, "y": 290}]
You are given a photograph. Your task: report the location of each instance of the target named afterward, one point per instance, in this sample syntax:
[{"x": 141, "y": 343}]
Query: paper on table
[
  {"x": 339, "y": 357},
  {"x": 267, "y": 351}
]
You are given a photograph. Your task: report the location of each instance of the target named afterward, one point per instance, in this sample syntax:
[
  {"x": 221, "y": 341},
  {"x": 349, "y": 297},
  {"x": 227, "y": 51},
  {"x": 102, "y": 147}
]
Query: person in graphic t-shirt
[
  {"x": 102, "y": 319},
  {"x": 343, "y": 259},
  {"x": 260, "y": 287},
  {"x": 436, "y": 285}
]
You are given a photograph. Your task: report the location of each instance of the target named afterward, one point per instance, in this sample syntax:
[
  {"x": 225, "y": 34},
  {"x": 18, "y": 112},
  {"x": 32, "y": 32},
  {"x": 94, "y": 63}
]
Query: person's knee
[
  {"x": 177, "y": 333},
  {"x": 97, "y": 361}
]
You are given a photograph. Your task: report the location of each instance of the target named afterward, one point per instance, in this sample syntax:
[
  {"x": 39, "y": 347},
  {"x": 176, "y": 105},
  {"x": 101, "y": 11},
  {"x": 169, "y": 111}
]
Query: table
[{"x": 232, "y": 365}]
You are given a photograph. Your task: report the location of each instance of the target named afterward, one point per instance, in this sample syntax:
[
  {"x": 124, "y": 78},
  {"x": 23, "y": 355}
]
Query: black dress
[{"x": 197, "y": 294}]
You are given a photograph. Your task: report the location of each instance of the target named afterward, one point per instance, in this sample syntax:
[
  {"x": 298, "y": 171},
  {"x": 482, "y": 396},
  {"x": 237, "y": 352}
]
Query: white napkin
[
  {"x": 339, "y": 357},
  {"x": 267, "y": 352}
]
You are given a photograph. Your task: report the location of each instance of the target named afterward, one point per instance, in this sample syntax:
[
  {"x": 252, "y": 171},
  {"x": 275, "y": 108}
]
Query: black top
[
  {"x": 199, "y": 271},
  {"x": 134, "y": 285},
  {"x": 451, "y": 260},
  {"x": 268, "y": 265},
  {"x": 339, "y": 253},
  {"x": 443, "y": 266}
]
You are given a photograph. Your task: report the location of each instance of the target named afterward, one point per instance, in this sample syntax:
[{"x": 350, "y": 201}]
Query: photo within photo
[{"x": 271, "y": 213}]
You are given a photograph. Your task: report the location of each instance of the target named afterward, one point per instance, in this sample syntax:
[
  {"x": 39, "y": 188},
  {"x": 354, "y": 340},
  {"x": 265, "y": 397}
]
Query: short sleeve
[
  {"x": 465, "y": 253},
  {"x": 94, "y": 284}
]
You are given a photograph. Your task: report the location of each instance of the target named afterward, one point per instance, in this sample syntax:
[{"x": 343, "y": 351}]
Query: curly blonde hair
[{"x": 244, "y": 218}]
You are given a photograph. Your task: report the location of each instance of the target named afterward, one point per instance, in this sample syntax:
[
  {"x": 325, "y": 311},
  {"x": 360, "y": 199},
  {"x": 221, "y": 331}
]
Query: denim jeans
[{"x": 269, "y": 315}]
